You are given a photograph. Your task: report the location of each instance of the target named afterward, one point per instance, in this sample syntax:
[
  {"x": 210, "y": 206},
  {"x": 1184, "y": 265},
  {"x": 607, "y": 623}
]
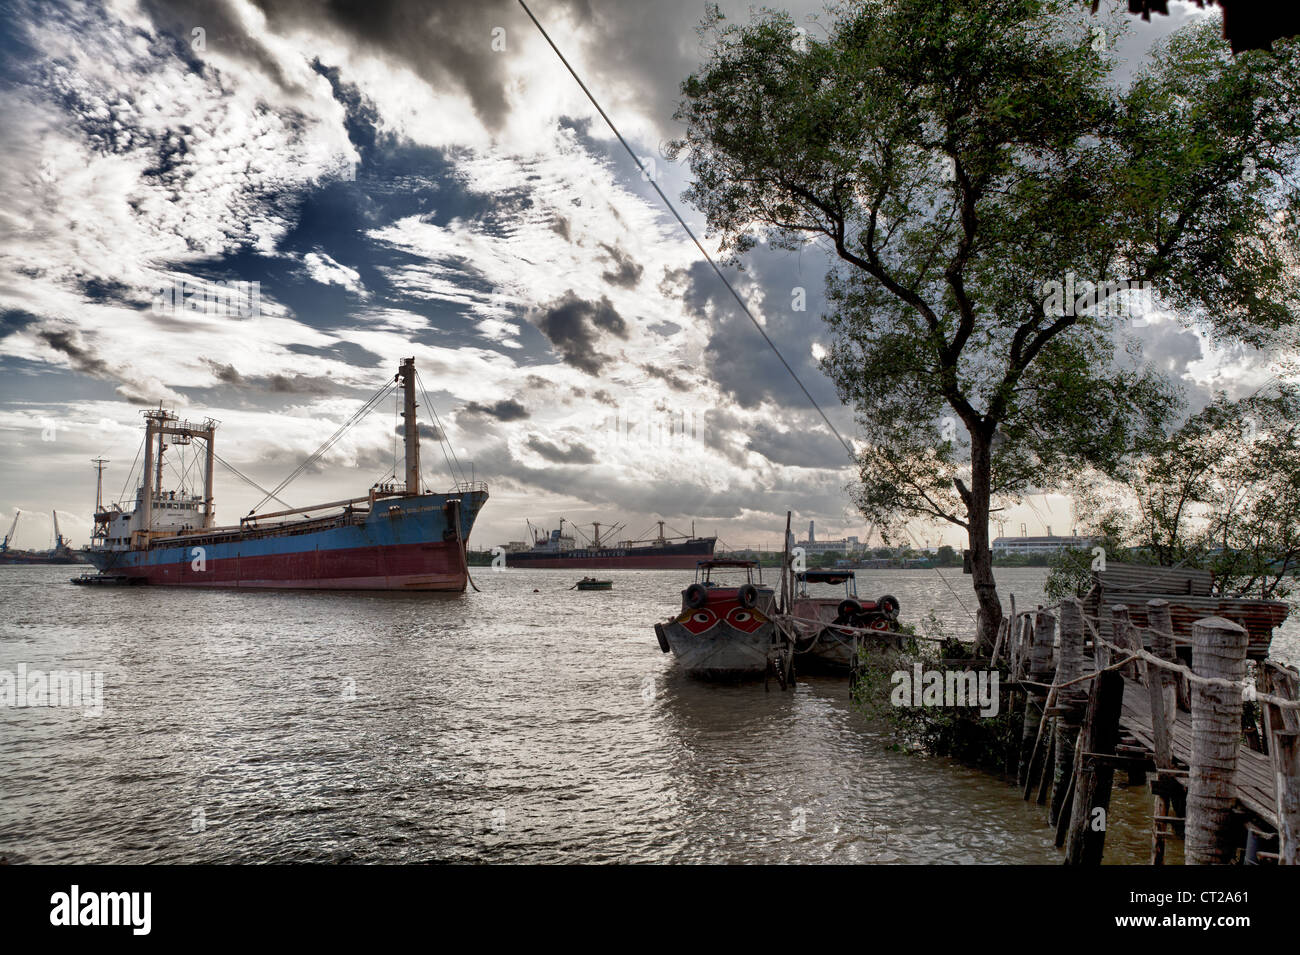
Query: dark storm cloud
[
  {"x": 272, "y": 384},
  {"x": 626, "y": 272},
  {"x": 810, "y": 447},
  {"x": 576, "y": 453},
  {"x": 507, "y": 409},
  {"x": 69, "y": 343},
  {"x": 736, "y": 356},
  {"x": 83, "y": 358},
  {"x": 675, "y": 381},
  {"x": 574, "y": 326},
  {"x": 447, "y": 43},
  {"x": 428, "y": 432}
]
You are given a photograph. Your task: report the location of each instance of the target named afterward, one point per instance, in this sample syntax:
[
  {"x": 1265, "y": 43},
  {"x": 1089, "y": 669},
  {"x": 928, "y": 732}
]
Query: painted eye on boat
[
  {"x": 701, "y": 617},
  {"x": 743, "y": 616}
]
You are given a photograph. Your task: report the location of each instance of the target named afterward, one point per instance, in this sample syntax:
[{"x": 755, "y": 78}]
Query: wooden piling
[
  {"x": 1282, "y": 729},
  {"x": 1286, "y": 768},
  {"x": 1124, "y": 636},
  {"x": 1218, "y": 651},
  {"x": 1071, "y": 701},
  {"x": 1160, "y": 686},
  {"x": 1094, "y": 770},
  {"x": 1039, "y": 670}
]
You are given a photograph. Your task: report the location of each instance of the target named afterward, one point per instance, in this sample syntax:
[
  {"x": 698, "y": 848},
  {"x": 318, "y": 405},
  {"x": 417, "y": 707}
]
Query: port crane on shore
[{"x": 13, "y": 529}]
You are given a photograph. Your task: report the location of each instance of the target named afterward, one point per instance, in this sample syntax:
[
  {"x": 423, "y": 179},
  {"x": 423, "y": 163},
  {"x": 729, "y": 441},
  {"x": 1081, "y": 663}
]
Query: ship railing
[{"x": 468, "y": 487}]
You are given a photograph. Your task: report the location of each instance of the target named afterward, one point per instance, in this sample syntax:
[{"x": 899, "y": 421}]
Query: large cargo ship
[
  {"x": 399, "y": 536},
  {"x": 557, "y": 549},
  {"x": 60, "y": 553}
]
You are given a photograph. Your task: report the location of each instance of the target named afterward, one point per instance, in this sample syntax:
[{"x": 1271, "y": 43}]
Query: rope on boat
[{"x": 845, "y": 628}]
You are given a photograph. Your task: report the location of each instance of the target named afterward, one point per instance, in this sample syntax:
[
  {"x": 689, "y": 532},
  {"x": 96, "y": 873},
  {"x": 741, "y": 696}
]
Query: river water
[{"x": 501, "y": 726}]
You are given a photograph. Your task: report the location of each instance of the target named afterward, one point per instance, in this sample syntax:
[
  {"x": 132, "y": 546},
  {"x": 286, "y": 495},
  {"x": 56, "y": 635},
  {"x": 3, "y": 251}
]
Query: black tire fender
[
  {"x": 696, "y": 596},
  {"x": 663, "y": 637},
  {"x": 747, "y": 596}
]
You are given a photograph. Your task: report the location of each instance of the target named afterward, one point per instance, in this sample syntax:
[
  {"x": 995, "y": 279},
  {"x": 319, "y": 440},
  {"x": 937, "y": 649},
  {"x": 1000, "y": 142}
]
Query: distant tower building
[{"x": 812, "y": 536}]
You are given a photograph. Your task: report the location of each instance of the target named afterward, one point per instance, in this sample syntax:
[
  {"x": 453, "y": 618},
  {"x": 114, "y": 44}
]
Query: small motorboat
[
  {"x": 593, "y": 583},
  {"x": 830, "y": 622}
]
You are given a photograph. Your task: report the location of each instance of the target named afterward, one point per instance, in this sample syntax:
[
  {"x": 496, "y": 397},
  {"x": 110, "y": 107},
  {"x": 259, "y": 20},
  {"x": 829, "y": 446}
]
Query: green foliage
[
  {"x": 1221, "y": 493},
  {"x": 961, "y": 733}
]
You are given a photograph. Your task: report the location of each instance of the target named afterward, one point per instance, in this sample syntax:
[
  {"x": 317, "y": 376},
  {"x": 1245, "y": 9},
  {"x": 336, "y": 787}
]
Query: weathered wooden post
[
  {"x": 1125, "y": 637},
  {"x": 1286, "y": 763},
  {"x": 1282, "y": 724},
  {"x": 1094, "y": 770},
  {"x": 1218, "y": 652},
  {"x": 1162, "y": 693},
  {"x": 1039, "y": 670},
  {"x": 1071, "y": 701}
]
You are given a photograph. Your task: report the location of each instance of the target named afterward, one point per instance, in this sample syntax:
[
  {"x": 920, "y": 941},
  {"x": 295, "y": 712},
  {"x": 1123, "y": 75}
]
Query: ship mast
[
  {"x": 99, "y": 482},
  {"x": 101, "y": 520},
  {"x": 410, "y": 427}
]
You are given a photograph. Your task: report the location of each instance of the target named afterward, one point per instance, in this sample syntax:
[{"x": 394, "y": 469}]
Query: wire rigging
[
  {"x": 687, "y": 229},
  {"x": 333, "y": 439},
  {"x": 457, "y": 473},
  {"x": 247, "y": 480}
]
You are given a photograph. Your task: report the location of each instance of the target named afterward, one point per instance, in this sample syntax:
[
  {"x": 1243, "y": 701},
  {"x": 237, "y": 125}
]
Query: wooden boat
[
  {"x": 827, "y": 621},
  {"x": 725, "y": 630},
  {"x": 591, "y": 583}
]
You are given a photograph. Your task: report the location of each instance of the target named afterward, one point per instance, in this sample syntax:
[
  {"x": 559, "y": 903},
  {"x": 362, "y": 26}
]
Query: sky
[{"x": 410, "y": 179}]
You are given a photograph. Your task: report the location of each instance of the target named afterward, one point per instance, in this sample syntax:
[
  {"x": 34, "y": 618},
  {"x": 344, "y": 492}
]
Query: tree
[
  {"x": 989, "y": 193},
  {"x": 1222, "y": 493},
  {"x": 947, "y": 556}
]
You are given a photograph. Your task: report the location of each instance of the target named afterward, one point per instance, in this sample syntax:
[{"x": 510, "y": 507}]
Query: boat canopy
[{"x": 826, "y": 576}]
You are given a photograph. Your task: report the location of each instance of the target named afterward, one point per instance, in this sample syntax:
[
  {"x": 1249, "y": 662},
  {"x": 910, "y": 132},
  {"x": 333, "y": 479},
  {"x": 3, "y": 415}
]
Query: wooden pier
[{"x": 1172, "y": 702}]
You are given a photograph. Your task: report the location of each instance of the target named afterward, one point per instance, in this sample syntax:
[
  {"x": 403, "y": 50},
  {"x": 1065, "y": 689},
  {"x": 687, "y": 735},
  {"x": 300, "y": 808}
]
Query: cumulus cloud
[{"x": 324, "y": 270}]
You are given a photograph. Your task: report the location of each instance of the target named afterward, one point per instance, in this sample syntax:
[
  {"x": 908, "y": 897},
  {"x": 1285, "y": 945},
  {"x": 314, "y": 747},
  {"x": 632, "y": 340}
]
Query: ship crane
[
  {"x": 59, "y": 542},
  {"x": 13, "y": 529}
]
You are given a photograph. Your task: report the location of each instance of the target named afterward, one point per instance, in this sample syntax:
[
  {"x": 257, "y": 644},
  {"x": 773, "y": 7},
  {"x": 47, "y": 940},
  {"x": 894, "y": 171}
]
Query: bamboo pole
[{"x": 1218, "y": 651}]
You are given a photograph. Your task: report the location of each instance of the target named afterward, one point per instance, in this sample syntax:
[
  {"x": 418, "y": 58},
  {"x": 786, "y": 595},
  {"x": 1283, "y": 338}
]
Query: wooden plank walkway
[{"x": 1255, "y": 783}]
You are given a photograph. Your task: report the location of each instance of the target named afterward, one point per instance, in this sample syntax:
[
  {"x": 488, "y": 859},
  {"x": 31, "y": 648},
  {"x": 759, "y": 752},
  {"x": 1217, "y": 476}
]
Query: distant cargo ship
[
  {"x": 557, "y": 549},
  {"x": 61, "y": 553},
  {"x": 396, "y": 537}
]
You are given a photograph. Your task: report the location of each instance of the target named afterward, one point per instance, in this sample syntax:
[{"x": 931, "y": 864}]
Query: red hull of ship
[
  {"x": 425, "y": 566},
  {"x": 674, "y": 562}
]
